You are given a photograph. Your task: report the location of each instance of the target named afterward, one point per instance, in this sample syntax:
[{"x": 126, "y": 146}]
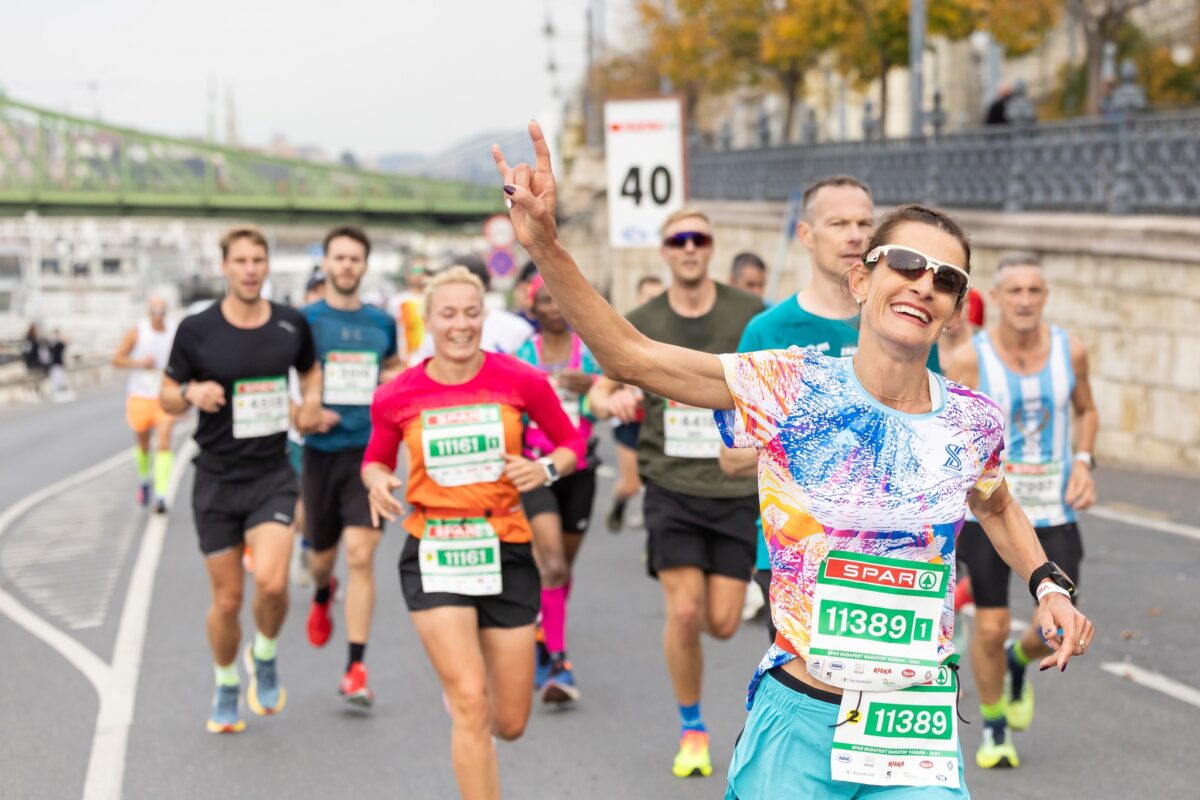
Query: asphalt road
[{"x": 69, "y": 559}]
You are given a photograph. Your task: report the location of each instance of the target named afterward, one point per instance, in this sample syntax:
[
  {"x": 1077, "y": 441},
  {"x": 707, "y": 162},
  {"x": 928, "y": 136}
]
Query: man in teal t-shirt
[{"x": 835, "y": 227}]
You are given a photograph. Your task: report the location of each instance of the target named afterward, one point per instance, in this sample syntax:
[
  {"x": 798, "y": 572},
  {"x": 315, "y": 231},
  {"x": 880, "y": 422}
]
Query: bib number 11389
[{"x": 875, "y": 621}]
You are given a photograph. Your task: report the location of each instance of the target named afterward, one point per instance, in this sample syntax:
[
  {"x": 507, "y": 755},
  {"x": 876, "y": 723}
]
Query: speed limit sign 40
[{"x": 643, "y": 141}]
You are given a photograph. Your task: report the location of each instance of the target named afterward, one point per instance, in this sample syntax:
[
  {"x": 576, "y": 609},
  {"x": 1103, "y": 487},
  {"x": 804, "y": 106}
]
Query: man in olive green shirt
[{"x": 700, "y": 523}]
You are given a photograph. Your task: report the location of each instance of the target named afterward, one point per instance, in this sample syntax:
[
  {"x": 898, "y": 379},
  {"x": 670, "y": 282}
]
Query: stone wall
[{"x": 1128, "y": 287}]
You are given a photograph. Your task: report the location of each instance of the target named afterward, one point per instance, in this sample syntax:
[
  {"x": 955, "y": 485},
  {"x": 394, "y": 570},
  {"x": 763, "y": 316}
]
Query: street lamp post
[{"x": 916, "y": 69}]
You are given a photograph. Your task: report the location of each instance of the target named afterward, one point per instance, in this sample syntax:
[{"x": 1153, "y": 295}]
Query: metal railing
[{"x": 1139, "y": 164}]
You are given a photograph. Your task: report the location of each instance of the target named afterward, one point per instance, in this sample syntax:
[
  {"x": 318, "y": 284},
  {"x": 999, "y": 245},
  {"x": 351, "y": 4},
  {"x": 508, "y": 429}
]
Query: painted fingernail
[
  {"x": 510, "y": 189},
  {"x": 1043, "y": 669},
  {"x": 1063, "y": 668}
]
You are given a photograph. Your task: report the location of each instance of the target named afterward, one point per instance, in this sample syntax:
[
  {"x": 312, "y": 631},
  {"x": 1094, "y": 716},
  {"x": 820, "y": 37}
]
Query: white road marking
[
  {"x": 605, "y": 471},
  {"x": 1140, "y": 521},
  {"x": 1152, "y": 680},
  {"x": 115, "y": 684},
  {"x": 67, "y": 562}
]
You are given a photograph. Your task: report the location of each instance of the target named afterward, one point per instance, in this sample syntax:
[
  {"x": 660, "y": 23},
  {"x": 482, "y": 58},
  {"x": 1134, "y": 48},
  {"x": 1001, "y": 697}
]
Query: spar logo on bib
[
  {"x": 460, "y": 416},
  {"x": 882, "y": 575}
]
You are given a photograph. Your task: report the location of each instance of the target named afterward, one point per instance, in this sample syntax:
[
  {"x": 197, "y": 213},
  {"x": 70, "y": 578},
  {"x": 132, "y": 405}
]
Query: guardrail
[{"x": 1148, "y": 164}]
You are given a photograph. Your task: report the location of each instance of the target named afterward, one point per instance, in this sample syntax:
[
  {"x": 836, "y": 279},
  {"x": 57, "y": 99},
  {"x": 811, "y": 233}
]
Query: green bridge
[{"x": 58, "y": 164}]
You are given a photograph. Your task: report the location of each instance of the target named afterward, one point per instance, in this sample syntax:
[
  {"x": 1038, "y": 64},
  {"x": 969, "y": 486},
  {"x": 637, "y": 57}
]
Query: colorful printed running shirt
[
  {"x": 537, "y": 443},
  {"x": 838, "y": 470},
  {"x": 790, "y": 324},
  {"x": 457, "y": 435}
]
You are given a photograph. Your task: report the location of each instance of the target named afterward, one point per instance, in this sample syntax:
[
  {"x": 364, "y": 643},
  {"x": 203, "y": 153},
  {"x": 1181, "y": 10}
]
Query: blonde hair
[
  {"x": 242, "y": 232},
  {"x": 683, "y": 213},
  {"x": 457, "y": 274}
]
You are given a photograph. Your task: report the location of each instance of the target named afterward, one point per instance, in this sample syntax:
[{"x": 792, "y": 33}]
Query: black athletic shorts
[
  {"x": 627, "y": 434},
  {"x": 571, "y": 498},
  {"x": 517, "y": 605},
  {"x": 715, "y": 534},
  {"x": 225, "y": 510},
  {"x": 334, "y": 496},
  {"x": 990, "y": 575}
]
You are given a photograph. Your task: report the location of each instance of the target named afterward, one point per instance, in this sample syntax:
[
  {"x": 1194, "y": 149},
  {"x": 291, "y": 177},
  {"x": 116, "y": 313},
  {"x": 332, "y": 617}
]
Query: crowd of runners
[{"x": 848, "y": 452}]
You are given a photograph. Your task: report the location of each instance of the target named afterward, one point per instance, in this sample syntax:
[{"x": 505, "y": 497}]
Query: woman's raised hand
[{"x": 530, "y": 193}]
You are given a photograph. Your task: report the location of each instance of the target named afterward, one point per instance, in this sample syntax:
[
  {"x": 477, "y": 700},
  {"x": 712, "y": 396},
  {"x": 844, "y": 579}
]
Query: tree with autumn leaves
[{"x": 710, "y": 46}]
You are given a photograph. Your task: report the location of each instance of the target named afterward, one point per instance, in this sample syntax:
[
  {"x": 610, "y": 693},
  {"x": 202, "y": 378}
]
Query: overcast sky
[{"x": 371, "y": 77}]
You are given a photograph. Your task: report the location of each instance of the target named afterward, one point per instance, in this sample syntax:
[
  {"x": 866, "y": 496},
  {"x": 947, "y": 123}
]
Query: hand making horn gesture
[{"x": 530, "y": 193}]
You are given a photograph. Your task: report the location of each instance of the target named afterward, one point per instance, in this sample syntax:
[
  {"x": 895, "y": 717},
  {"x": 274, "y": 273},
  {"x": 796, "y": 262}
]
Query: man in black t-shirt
[{"x": 231, "y": 362}]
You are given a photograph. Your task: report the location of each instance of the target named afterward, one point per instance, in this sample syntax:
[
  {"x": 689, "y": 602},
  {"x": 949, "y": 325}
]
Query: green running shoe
[
  {"x": 1019, "y": 710},
  {"x": 992, "y": 754}
]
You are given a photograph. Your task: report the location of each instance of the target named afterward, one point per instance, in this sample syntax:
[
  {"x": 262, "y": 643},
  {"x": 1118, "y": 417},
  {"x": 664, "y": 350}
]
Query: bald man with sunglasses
[{"x": 699, "y": 523}]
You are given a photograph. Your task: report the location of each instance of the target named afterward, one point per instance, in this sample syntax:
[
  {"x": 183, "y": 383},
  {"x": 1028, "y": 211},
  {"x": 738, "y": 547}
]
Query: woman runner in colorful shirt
[
  {"x": 467, "y": 568},
  {"x": 865, "y": 466},
  {"x": 560, "y": 513}
]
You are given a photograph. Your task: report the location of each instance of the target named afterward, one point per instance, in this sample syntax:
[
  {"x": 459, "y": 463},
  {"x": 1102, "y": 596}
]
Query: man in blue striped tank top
[{"x": 1038, "y": 374}]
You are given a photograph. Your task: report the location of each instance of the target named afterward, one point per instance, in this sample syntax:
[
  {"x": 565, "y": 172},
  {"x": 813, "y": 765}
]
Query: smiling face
[
  {"x": 909, "y": 314},
  {"x": 1021, "y": 293},
  {"x": 344, "y": 265},
  {"x": 245, "y": 268},
  {"x": 455, "y": 321},
  {"x": 688, "y": 264}
]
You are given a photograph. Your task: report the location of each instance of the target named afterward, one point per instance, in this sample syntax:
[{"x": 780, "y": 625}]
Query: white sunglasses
[{"x": 947, "y": 278}]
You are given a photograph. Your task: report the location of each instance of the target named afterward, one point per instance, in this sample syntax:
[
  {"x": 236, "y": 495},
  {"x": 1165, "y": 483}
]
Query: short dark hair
[
  {"x": 242, "y": 232},
  {"x": 349, "y": 232},
  {"x": 527, "y": 272},
  {"x": 831, "y": 180},
  {"x": 743, "y": 260}
]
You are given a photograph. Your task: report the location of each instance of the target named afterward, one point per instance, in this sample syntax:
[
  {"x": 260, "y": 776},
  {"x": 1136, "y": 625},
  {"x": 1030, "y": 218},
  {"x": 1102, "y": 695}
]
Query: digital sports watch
[{"x": 1050, "y": 570}]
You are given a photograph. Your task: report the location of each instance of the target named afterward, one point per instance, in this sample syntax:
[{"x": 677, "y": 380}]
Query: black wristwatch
[
  {"x": 183, "y": 387},
  {"x": 1050, "y": 570}
]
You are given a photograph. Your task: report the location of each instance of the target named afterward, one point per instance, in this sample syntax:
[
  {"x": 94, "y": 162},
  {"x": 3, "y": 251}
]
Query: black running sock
[
  {"x": 322, "y": 595},
  {"x": 357, "y": 653}
]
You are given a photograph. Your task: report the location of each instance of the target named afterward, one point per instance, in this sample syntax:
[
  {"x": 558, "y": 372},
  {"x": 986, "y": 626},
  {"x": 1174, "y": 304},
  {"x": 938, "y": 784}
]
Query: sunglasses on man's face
[
  {"x": 678, "y": 241},
  {"x": 947, "y": 278}
]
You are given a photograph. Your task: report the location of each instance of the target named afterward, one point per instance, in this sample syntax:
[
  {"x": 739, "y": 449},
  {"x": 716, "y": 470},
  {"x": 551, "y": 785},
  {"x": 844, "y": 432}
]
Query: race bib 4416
[{"x": 690, "y": 432}]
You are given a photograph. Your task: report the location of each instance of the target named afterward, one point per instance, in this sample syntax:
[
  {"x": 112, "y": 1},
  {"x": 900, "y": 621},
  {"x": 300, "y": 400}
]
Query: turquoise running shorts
[{"x": 785, "y": 747}]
